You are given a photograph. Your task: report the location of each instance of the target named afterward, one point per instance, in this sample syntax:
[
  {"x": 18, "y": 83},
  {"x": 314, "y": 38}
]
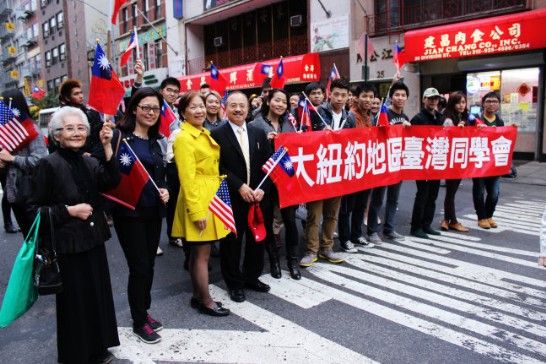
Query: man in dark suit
[{"x": 244, "y": 150}]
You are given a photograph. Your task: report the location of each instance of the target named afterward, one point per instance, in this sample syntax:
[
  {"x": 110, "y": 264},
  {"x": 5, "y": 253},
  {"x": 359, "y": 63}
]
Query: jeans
[
  {"x": 393, "y": 192},
  {"x": 485, "y": 208},
  {"x": 424, "y": 204}
]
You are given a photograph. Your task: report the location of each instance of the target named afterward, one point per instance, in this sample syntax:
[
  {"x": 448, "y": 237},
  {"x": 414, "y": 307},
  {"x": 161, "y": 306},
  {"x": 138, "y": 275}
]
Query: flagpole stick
[
  {"x": 150, "y": 177},
  {"x": 366, "y": 58},
  {"x": 314, "y": 108},
  {"x": 271, "y": 169},
  {"x": 138, "y": 45},
  {"x": 206, "y": 219},
  {"x": 10, "y": 100}
]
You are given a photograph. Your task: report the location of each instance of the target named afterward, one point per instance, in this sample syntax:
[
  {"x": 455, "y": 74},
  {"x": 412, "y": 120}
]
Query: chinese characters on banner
[
  {"x": 508, "y": 33},
  {"x": 330, "y": 164}
]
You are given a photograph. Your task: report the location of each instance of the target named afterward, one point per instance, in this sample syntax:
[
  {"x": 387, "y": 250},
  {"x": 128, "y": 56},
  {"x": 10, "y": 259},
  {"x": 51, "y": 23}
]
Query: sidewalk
[{"x": 532, "y": 173}]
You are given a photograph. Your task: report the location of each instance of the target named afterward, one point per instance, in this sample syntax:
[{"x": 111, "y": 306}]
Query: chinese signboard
[
  {"x": 302, "y": 68},
  {"x": 508, "y": 33},
  {"x": 329, "y": 164}
]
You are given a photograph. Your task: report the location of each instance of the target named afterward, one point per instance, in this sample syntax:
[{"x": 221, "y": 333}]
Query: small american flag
[
  {"x": 221, "y": 207},
  {"x": 281, "y": 159},
  {"x": 16, "y": 129}
]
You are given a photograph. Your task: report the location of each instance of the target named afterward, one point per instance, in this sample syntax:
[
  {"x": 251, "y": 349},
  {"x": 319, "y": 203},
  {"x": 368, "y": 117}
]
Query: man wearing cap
[
  {"x": 244, "y": 149},
  {"x": 427, "y": 190}
]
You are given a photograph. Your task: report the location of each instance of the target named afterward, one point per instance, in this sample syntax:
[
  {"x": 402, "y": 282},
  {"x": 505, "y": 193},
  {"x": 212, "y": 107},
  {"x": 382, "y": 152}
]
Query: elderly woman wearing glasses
[{"x": 69, "y": 183}]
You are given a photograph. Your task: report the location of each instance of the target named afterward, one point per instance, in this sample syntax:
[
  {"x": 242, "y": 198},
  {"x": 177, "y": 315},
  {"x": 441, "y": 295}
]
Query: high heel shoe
[
  {"x": 216, "y": 311},
  {"x": 195, "y": 303}
]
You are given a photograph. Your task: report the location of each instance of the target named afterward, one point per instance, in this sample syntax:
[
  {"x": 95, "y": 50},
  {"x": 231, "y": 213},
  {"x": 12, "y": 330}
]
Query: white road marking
[{"x": 280, "y": 341}]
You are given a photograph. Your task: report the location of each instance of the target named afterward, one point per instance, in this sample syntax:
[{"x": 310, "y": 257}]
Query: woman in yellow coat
[{"x": 197, "y": 156}]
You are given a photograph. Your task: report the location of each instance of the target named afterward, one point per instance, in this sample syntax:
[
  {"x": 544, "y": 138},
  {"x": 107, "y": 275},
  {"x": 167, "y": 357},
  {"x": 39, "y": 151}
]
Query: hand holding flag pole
[
  {"x": 314, "y": 109},
  {"x": 285, "y": 150}
]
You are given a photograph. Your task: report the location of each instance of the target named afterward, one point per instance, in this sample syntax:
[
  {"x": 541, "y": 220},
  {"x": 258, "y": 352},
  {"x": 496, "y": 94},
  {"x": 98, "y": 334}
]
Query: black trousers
[
  {"x": 139, "y": 239},
  {"x": 6, "y": 209},
  {"x": 351, "y": 215},
  {"x": 452, "y": 185},
  {"x": 20, "y": 213},
  {"x": 238, "y": 266},
  {"x": 424, "y": 204}
]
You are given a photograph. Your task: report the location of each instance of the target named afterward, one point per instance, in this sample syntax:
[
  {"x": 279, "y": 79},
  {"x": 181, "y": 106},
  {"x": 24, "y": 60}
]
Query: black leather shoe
[
  {"x": 217, "y": 311},
  {"x": 237, "y": 295},
  {"x": 258, "y": 286},
  {"x": 10, "y": 229},
  {"x": 195, "y": 303},
  {"x": 294, "y": 269},
  {"x": 275, "y": 267},
  {"x": 430, "y": 231}
]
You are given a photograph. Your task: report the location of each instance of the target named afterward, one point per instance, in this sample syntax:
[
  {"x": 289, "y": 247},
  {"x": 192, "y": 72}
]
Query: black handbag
[{"x": 47, "y": 275}]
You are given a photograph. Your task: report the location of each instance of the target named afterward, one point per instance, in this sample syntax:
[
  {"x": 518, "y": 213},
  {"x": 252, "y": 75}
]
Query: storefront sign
[
  {"x": 508, "y": 33},
  {"x": 302, "y": 68},
  {"x": 329, "y": 164}
]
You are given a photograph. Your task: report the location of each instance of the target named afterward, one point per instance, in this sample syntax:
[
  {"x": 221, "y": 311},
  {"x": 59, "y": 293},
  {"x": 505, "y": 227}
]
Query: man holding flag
[{"x": 244, "y": 149}]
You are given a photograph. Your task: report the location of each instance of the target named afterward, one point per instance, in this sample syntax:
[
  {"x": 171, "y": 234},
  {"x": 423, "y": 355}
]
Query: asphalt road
[{"x": 476, "y": 297}]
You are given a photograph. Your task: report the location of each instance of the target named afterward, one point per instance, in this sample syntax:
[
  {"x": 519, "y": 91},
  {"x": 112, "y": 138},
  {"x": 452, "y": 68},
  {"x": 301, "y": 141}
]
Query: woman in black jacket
[
  {"x": 139, "y": 230},
  {"x": 69, "y": 184}
]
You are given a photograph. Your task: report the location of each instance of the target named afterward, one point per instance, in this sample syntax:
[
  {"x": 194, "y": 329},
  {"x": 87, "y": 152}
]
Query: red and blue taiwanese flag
[
  {"x": 304, "y": 114},
  {"x": 278, "y": 80},
  {"x": 133, "y": 44},
  {"x": 216, "y": 81},
  {"x": 105, "y": 91},
  {"x": 165, "y": 119},
  {"x": 334, "y": 75},
  {"x": 38, "y": 93},
  {"x": 133, "y": 178},
  {"x": 16, "y": 128},
  {"x": 220, "y": 206},
  {"x": 279, "y": 166}
]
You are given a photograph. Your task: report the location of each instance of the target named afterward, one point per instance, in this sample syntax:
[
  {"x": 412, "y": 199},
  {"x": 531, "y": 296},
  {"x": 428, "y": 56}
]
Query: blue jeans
[
  {"x": 393, "y": 192},
  {"x": 485, "y": 207}
]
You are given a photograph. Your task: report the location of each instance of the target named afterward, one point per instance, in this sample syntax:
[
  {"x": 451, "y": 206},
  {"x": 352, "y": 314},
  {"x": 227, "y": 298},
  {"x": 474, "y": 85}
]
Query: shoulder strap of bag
[{"x": 52, "y": 232}]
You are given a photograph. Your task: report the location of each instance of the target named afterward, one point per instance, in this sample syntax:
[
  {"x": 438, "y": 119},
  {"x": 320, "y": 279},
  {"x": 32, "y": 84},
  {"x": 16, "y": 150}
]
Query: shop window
[{"x": 518, "y": 90}]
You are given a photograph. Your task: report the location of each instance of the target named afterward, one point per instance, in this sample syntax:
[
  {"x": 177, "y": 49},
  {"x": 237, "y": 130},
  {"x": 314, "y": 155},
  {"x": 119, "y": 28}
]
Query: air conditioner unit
[
  {"x": 295, "y": 21},
  {"x": 218, "y": 41}
]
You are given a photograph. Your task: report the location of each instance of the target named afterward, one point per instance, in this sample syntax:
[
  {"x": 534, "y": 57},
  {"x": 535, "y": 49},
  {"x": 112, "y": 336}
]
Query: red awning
[
  {"x": 302, "y": 68},
  {"x": 502, "y": 34}
]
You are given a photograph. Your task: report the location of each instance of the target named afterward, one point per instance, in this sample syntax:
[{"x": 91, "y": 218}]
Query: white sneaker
[
  {"x": 363, "y": 242},
  {"x": 348, "y": 246},
  {"x": 375, "y": 239}
]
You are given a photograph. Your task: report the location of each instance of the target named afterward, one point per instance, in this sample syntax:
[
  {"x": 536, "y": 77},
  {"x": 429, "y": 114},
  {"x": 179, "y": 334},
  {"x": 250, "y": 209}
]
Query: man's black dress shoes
[
  {"x": 237, "y": 295},
  {"x": 258, "y": 286},
  {"x": 217, "y": 311}
]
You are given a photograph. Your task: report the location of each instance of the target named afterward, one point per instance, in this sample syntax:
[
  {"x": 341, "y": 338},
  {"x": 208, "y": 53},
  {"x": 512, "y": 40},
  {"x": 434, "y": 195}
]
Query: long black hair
[
  {"x": 128, "y": 122},
  {"x": 18, "y": 100},
  {"x": 451, "y": 113},
  {"x": 265, "y": 105}
]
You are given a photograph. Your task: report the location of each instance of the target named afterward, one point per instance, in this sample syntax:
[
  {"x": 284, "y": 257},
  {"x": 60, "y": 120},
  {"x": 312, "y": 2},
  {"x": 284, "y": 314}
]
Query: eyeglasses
[
  {"x": 147, "y": 108},
  {"x": 171, "y": 90},
  {"x": 491, "y": 101},
  {"x": 81, "y": 129}
]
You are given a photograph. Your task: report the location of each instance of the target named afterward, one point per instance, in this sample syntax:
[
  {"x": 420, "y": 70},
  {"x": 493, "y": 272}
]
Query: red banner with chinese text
[
  {"x": 501, "y": 34},
  {"x": 302, "y": 68},
  {"x": 329, "y": 164}
]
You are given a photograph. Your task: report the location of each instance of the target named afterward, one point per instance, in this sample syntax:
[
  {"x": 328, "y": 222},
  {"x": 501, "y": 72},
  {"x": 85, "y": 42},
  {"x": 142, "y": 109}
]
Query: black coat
[
  {"x": 54, "y": 186},
  {"x": 232, "y": 161}
]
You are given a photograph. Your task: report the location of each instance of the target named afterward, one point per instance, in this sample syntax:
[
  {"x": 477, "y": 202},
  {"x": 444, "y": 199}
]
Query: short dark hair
[
  {"x": 398, "y": 85},
  {"x": 185, "y": 101},
  {"x": 365, "y": 87},
  {"x": 313, "y": 86},
  {"x": 237, "y": 92},
  {"x": 490, "y": 95},
  {"x": 66, "y": 89},
  {"x": 204, "y": 85},
  {"x": 353, "y": 90},
  {"x": 128, "y": 122},
  {"x": 340, "y": 83},
  {"x": 169, "y": 81}
]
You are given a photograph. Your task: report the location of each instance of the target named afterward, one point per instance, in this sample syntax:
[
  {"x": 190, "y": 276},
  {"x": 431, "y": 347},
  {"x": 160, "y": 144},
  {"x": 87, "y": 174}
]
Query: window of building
[
  {"x": 48, "y": 58},
  {"x": 35, "y": 30},
  {"x": 45, "y": 29},
  {"x": 29, "y": 34},
  {"x": 159, "y": 54},
  {"x": 52, "y": 24},
  {"x": 157, "y": 10},
  {"x": 57, "y": 83},
  {"x": 135, "y": 15},
  {"x": 64, "y": 78},
  {"x": 62, "y": 52},
  {"x": 146, "y": 7},
  {"x": 44, "y": 3},
  {"x": 60, "y": 20},
  {"x": 54, "y": 55},
  {"x": 50, "y": 85},
  {"x": 125, "y": 20}
]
